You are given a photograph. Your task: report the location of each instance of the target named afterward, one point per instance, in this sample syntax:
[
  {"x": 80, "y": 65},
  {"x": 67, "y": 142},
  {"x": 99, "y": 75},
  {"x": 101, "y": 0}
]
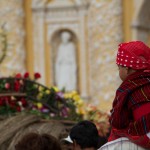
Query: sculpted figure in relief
[{"x": 65, "y": 66}]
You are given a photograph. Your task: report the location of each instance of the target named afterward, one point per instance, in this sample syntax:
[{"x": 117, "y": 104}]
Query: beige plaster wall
[
  {"x": 105, "y": 32},
  {"x": 12, "y": 15}
]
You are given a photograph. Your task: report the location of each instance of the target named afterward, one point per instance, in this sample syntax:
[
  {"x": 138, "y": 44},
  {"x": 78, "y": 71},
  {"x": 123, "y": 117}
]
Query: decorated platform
[{"x": 26, "y": 105}]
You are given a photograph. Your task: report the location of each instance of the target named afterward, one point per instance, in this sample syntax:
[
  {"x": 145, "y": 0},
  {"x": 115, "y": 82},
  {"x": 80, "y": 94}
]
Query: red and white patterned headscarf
[{"x": 135, "y": 55}]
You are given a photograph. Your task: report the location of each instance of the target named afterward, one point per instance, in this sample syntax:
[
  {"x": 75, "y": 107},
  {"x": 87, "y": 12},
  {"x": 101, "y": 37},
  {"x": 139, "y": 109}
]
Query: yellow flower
[
  {"x": 79, "y": 102},
  {"x": 40, "y": 95},
  {"x": 47, "y": 91},
  {"x": 91, "y": 108},
  {"x": 41, "y": 88},
  {"x": 74, "y": 93},
  {"x": 67, "y": 95},
  {"x": 96, "y": 117},
  {"x": 56, "y": 89},
  {"x": 80, "y": 111},
  {"x": 39, "y": 105},
  {"x": 76, "y": 97}
]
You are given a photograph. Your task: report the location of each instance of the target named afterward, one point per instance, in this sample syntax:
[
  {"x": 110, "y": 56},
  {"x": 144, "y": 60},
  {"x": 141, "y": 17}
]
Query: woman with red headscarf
[{"x": 130, "y": 114}]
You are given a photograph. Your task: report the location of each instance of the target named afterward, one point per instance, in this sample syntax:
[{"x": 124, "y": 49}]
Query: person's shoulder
[
  {"x": 120, "y": 144},
  {"x": 112, "y": 144}
]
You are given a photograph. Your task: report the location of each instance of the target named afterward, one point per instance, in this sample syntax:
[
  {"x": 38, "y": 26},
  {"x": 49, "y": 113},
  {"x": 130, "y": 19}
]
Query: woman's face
[{"x": 123, "y": 72}]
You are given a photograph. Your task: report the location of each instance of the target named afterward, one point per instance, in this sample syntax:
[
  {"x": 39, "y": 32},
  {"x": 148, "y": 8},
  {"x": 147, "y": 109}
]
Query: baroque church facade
[{"x": 96, "y": 27}]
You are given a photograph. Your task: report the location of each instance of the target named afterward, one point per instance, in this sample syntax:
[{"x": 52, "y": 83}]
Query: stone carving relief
[
  {"x": 61, "y": 17},
  {"x": 65, "y": 64}
]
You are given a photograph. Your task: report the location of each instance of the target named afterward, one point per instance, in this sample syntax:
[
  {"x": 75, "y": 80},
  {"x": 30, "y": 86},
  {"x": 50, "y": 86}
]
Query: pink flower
[
  {"x": 7, "y": 85},
  {"x": 21, "y": 82},
  {"x": 44, "y": 110},
  {"x": 52, "y": 114},
  {"x": 37, "y": 75},
  {"x": 26, "y": 75},
  {"x": 65, "y": 112}
]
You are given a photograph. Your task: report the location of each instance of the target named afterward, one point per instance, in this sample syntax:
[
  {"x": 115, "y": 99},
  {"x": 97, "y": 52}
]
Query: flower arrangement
[
  {"x": 20, "y": 93},
  {"x": 100, "y": 119}
]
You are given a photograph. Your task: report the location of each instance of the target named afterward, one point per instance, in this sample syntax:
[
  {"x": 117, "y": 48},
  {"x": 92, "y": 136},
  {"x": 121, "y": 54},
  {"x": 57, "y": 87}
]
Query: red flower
[
  {"x": 2, "y": 102},
  {"x": 18, "y": 75},
  {"x": 12, "y": 104},
  {"x": 7, "y": 85},
  {"x": 37, "y": 75},
  {"x": 17, "y": 86},
  {"x": 18, "y": 108},
  {"x": 24, "y": 102},
  {"x": 26, "y": 75}
]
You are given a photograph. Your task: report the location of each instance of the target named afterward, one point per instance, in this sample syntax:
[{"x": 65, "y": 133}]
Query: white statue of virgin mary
[{"x": 65, "y": 67}]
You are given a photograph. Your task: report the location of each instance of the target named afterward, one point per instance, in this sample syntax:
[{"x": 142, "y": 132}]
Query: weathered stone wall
[
  {"x": 12, "y": 15},
  {"x": 103, "y": 35},
  {"x": 105, "y": 32}
]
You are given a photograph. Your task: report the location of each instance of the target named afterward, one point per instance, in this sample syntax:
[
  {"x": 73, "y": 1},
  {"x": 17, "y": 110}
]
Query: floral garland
[
  {"x": 101, "y": 119},
  {"x": 20, "y": 93}
]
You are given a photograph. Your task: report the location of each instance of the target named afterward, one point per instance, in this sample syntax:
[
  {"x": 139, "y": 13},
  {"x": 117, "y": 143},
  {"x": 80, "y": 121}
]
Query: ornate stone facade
[
  {"x": 105, "y": 32},
  {"x": 98, "y": 28},
  {"x": 52, "y": 18},
  {"x": 12, "y": 17}
]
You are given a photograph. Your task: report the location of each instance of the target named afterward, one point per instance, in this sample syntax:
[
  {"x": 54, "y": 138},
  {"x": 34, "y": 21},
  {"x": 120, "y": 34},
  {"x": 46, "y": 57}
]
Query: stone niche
[
  {"x": 141, "y": 20},
  {"x": 49, "y": 20}
]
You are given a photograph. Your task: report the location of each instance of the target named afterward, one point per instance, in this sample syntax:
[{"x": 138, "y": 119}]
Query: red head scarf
[{"x": 135, "y": 55}]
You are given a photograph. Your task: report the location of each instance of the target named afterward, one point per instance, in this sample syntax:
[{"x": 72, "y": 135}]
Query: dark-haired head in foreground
[
  {"x": 35, "y": 141},
  {"x": 84, "y": 136}
]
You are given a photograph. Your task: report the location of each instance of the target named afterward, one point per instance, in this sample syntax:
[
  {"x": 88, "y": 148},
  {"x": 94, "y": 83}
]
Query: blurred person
[
  {"x": 84, "y": 136},
  {"x": 67, "y": 143},
  {"x": 130, "y": 114},
  {"x": 35, "y": 141}
]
